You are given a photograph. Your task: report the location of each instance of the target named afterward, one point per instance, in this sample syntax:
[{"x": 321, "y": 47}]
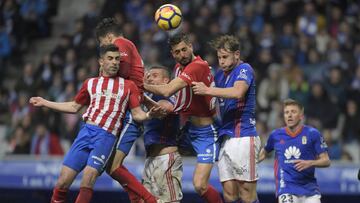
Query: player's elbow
[
  {"x": 166, "y": 93},
  {"x": 238, "y": 96},
  {"x": 327, "y": 163}
]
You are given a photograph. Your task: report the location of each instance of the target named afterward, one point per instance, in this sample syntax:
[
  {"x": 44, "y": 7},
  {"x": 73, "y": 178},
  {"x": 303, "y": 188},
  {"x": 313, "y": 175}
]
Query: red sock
[
  {"x": 132, "y": 185},
  {"x": 59, "y": 195},
  {"x": 84, "y": 195},
  {"x": 211, "y": 195}
]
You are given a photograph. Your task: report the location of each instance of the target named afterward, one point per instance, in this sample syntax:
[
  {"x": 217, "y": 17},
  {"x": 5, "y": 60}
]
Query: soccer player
[
  {"x": 199, "y": 110},
  {"x": 299, "y": 149},
  {"x": 109, "y": 32},
  {"x": 235, "y": 88},
  {"x": 163, "y": 165},
  {"x": 107, "y": 98}
]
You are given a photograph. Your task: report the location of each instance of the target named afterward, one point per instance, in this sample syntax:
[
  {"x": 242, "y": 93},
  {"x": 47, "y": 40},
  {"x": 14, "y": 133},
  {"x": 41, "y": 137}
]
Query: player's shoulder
[
  {"x": 311, "y": 130},
  {"x": 278, "y": 131},
  {"x": 123, "y": 43},
  {"x": 244, "y": 66},
  {"x": 198, "y": 61}
]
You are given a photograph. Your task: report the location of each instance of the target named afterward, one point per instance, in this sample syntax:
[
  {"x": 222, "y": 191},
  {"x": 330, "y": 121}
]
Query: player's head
[
  {"x": 109, "y": 60},
  {"x": 107, "y": 30},
  {"x": 158, "y": 75},
  {"x": 293, "y": 113},
  {"x": 228, "y": 51},
  {"x": 181, "y": 48}
]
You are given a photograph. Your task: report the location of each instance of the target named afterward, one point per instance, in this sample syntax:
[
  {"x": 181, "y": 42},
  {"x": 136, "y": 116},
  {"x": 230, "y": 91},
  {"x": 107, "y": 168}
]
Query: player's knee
[
  {"x": 231, "y": 195},
  {"x": 248, "y": 194},
  {"x": 200, "y": 187},
  {"x": 62, "y": 183}
]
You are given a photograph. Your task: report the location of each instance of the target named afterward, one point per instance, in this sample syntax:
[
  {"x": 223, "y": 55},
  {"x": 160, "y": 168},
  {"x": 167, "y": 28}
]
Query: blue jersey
[
  {"x": 237, "y": 115},
  {"x": 162, "y": 131},
  {"x": 306, "y": 144}
]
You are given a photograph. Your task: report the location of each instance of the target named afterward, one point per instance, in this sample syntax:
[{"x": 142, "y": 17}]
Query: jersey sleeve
[
  {"x": 134, "y": 99},
  {"x": 83, "y": 96},
  {"x": 245, "y": 73},
  {"x": 192, "y": 73},
  {"x": 137, "y": 69},
  {"x": 270, "y": 143},
  {"x": 320, "y": 145}
]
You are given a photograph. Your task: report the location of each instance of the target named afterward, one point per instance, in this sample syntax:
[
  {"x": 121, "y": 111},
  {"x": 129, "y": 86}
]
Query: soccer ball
[{"x": 168, "y": 17}]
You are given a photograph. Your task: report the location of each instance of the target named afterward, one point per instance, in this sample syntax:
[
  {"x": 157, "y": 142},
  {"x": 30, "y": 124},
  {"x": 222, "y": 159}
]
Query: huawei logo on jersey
[{"x": 292, "y": 151}]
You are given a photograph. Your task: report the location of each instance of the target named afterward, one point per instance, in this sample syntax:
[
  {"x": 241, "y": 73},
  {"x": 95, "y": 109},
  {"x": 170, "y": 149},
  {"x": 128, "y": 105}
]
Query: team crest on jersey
[{"x": 304, "y": 140}]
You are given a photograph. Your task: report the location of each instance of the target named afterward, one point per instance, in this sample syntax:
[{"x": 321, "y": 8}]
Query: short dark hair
[
  {"x": 177, "y": 38},
  {"x": 163, "y": 68},
  {"x": 106, "y": 26},
  {"x": 227, "y": 42},
  {"x": 288, "y": 102},
  {"x": 107, "y": 48}
]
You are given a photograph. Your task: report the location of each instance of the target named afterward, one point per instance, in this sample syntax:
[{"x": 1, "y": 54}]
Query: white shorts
[
  {"x": 162, "y": 176},
  {"x": 238, "y": 159},
  {"x": 289, "y": 198}
]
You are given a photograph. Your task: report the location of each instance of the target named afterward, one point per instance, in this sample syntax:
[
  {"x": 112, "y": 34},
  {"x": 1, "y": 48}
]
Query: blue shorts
[
  {"x": 204, "y": 141},
  {"x": 92, "y": 147},
  {"x": 129, "y": 133}
]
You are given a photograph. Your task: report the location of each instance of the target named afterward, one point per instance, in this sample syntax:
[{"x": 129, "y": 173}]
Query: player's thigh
[
  {"x": 103, "y": 145},
  {"x": 202, "y": 174},
  {"x": 77, "y": 156},
  {"x": 130, "y": 132},
  {"x": 162, "y": 176},
  {"x": 204, "y": 141},
  {"x": 238, "y": 159},
  {"x": 116, "y": 161}
]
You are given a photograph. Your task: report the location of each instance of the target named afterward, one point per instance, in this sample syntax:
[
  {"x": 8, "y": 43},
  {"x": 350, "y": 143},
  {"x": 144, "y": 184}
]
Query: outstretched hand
[
  {"x": 200, "y": 88},
  {"x": 37, "y": 101}
]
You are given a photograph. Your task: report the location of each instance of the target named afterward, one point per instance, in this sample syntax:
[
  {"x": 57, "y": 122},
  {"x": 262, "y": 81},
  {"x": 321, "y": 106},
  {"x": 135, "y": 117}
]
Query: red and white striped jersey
[
  {"x": 187, "y": 103},
  {"x": 107, "y": 99}
]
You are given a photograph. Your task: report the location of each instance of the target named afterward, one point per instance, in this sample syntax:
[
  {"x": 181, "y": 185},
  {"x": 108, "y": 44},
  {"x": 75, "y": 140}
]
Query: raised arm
[
  {"x": 67, "y": 107},
  {"x": 168, "y": 89},
  {"x": 238, "y": 91}
]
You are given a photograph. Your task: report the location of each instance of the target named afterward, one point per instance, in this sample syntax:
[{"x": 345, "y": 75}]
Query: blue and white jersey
[
  {"x": 162, "y": 131},
  {"x": 237, "y": 115},
  {"x": 306, "y": 144}
]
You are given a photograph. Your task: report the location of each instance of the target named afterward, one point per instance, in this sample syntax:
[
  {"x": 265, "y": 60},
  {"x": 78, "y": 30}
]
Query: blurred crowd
[{"x": 302, "y": 49}]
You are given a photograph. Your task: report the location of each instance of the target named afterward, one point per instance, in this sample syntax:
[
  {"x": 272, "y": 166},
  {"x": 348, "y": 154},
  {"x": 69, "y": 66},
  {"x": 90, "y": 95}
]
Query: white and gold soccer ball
[{"x": 168, "y": 17}]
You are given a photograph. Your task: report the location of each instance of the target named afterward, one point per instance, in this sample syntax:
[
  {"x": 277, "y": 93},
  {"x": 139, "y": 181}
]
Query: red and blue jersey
[
  {"x": 162, "y": 131},
  {"x": 305, "y": 144},
  {"x": 237, "y": 115}
]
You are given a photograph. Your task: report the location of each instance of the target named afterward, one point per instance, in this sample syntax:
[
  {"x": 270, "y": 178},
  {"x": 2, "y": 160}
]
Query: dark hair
[
  {"x": 227, "y": 42},
  {"x": 106, "y": 26},
  {"x": 177, "y": 38},
  {"x": 163, "y": 68},
  {"x": 288, "y": 102},
  {"x": 107, "y": 48}
]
